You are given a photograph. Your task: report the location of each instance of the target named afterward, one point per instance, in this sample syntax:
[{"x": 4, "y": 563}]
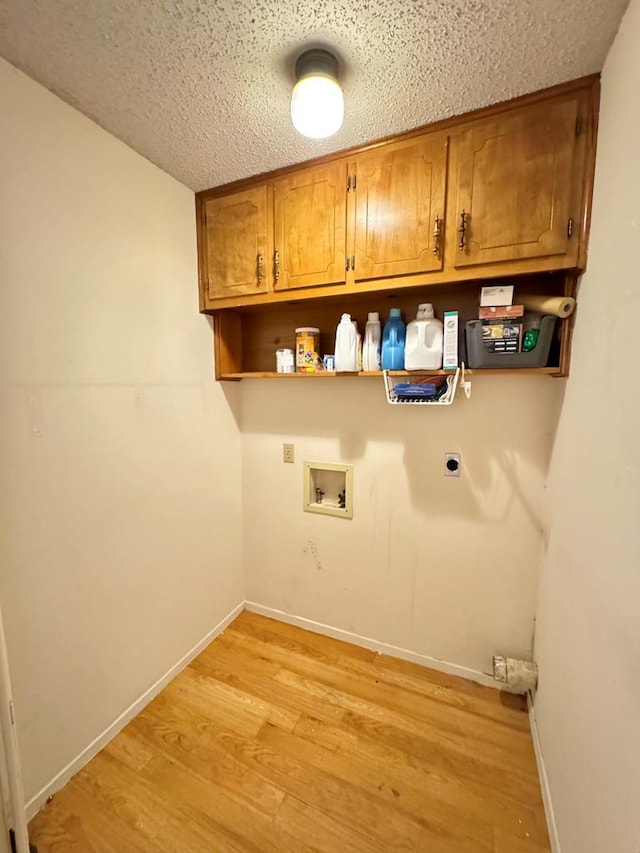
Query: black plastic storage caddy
[{"x": 478, "y": 356}]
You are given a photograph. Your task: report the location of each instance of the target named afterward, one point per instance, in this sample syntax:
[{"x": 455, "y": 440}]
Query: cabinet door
[
  {"x": 515, "y": 180},
  {"x": 237, "y": 258},
  {"x": 310, "y": 210},
  {"x": 399, "y": 201}
]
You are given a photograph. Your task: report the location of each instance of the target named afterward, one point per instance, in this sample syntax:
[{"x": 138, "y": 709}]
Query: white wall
[
  {"x": 445, "y": 568},
  {"x": 588, "y": 629},
  {"x": 120, "y": 458}
]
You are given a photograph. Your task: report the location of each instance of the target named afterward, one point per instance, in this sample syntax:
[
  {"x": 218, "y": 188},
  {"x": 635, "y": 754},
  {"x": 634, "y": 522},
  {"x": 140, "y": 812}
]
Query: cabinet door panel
[
  {"x": 237, "y": 244},
  {"x": 515, "y": 183},
  {"x": 310, "y": 226},
  {"x": 400, "y": 191}
]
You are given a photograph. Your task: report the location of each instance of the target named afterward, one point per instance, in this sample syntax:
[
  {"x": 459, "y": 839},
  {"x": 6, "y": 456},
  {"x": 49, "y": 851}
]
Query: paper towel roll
[{"x": 559, "y": 306}]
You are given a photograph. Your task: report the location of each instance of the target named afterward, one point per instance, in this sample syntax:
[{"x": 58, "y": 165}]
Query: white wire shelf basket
[{"x": 399, "y": 395}]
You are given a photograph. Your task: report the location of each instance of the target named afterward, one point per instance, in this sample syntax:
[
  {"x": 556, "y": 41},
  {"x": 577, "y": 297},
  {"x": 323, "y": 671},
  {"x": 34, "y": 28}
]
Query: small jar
[
  {"x": 307, "y": 349},
  {"x": 284, "y": 361}
]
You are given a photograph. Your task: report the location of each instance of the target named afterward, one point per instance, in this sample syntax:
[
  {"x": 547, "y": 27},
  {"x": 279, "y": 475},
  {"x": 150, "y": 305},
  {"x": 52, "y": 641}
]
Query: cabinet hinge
[
  {"x": 579, "y": 124},
  {"x": 570, "y": 228}
]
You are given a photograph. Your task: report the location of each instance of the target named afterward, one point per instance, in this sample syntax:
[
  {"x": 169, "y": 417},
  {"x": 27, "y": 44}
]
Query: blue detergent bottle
[{"x": 393, "y": 339}]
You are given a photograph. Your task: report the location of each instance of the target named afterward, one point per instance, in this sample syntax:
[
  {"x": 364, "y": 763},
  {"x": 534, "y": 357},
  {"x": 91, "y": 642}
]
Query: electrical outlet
[
  {"x": 288, "y": 454},
  {"x": 452, "y": 465}
]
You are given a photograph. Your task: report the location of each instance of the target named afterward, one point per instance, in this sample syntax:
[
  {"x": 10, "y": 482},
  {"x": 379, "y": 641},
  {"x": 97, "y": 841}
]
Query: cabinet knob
[{"x": 462, "y": 230}]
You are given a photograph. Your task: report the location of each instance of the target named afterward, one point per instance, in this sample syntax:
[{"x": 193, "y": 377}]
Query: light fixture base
[{"x": 316, "y": 61}]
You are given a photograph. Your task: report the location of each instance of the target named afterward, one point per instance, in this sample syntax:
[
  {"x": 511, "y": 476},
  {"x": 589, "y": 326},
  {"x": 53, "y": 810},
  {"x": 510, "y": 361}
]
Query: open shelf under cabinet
[
  {"x": 246, "y": 339},
  {"x": 266, "y": 374}
]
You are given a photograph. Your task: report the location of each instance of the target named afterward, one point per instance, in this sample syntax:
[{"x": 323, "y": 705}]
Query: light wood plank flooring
[{"x": 276, "y": 739}]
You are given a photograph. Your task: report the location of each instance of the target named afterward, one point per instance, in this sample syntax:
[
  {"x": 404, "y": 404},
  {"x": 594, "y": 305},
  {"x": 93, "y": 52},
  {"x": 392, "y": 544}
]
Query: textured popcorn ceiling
[{"x": 202, "y": 87}]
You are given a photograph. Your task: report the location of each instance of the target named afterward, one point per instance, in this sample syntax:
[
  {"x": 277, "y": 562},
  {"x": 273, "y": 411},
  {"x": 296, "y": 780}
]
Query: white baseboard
[
  {"x": 33, "y": 806},
  {"x": 367, "y": 643},
  {"x": 544, "y": 781}
]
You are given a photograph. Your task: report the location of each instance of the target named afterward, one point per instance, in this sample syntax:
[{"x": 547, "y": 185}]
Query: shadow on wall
[{"x": 505, "y": 434}]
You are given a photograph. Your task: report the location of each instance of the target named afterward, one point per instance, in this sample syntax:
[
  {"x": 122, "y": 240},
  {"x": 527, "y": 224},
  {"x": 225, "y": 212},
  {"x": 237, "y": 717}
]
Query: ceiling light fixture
[{"x": 317, "y": 103}]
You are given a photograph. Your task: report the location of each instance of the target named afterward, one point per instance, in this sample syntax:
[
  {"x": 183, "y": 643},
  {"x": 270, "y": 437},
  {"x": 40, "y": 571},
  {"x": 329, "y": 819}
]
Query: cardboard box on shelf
[
  {"x": 450, "y": 343},
  {"x": 502, "y": 312},
  {"x": 499, "y": 294}
]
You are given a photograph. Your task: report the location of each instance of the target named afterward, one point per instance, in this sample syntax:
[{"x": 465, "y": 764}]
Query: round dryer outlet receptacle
[{"x": 452, "y": 465}]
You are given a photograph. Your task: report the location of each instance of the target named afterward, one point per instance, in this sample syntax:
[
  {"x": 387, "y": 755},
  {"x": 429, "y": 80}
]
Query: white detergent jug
[
  {"x": 371, "y": 345},
  {"x": 423, "y": 346},
  {"x": 346, "y": 350},
  {"x": 358, "y": 345}
]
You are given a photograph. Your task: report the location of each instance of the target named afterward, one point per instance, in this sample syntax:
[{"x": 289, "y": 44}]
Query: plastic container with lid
[
  {"x": 284, "y": 361},
  {"x": 393, "y": 339},
  {"x": 371, "y": 343},
  {"x": 423, "y": 345},
  {"x": 346, "y": 351},
  {"x": 308, "y": 349}
]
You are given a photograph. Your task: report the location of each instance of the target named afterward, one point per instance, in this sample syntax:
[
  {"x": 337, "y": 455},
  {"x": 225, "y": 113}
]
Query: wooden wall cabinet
[
  {"x": 340, "y": 223},
  {"x": 519, "y": 186},
  {"x": 310, "y": 216},
  {"x": 503, "y": 193},
  {"x": 398, "y": 193},
  {"x": 235, "y": 246}
]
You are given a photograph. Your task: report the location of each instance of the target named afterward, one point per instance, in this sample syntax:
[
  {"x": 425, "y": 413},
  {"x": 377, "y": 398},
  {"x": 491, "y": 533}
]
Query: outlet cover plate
[{"x": 452, "y": 464}]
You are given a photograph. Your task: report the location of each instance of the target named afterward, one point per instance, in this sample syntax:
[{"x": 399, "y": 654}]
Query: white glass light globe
[{"x": 317, "y": 106}]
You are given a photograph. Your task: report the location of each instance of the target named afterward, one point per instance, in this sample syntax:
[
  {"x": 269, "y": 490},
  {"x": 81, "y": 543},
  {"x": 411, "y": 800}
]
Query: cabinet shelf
[
  {"x": 246, "y": 340},
  {"x": 266, "y": 374}
]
